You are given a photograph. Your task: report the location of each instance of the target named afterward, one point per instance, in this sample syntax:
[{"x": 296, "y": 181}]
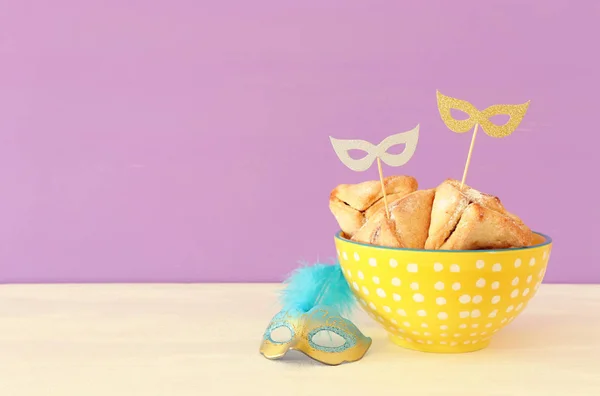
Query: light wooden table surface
[{"x": 179, "y": 340}]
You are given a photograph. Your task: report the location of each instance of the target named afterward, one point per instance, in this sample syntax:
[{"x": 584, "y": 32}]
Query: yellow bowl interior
[{"x": 443, "y": 301}]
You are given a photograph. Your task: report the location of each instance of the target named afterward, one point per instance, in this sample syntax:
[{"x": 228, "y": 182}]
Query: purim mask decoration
[{"x": 311, "y": 320}]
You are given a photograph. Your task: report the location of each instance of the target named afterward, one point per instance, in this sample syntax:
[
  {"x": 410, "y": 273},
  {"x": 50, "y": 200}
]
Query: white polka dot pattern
[{"x": 443, "y": 303}]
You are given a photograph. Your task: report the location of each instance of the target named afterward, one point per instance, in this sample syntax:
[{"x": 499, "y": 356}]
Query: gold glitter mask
[
  {"x": 515, "y": 112},
  {"x": 409, "y": 139},
  {"x": 321, "y": 334}
]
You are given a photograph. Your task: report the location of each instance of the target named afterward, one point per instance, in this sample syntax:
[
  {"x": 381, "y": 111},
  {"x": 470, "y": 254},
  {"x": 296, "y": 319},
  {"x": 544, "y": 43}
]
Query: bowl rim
[{"x": 547, "y": 241}]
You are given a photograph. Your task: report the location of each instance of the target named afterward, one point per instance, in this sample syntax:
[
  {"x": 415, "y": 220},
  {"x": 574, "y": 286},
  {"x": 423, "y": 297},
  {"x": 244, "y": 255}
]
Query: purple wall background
[{"x": 188, "y": 141}]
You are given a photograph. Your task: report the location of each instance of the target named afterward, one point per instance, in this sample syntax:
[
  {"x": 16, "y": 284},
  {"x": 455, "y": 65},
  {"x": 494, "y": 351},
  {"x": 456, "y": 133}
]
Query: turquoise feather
[{"x": 318, "y": 284}]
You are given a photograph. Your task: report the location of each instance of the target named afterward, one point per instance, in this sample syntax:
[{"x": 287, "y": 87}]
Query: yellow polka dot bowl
[{"x": 443, "y": 301}]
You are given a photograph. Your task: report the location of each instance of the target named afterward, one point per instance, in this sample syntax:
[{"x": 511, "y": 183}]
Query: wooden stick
[
  {"x": 387, "y": 211},
  {"x": 462, "y": 183}
]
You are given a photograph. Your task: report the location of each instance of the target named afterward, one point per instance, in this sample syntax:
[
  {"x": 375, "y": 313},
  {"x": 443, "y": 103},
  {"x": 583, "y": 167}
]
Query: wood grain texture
[{"x": 179, "y": 340}]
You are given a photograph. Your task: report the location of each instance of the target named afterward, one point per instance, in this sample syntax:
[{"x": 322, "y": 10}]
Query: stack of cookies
[{"x": 447, "y": 217}]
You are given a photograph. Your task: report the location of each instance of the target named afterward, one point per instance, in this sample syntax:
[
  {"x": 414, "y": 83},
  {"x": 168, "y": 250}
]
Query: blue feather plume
[{"x": 318, "y": 284}]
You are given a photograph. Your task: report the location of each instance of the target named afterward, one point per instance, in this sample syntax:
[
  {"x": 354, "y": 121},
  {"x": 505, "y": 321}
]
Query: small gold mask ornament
[
  {"x": 309, "y": 332},
  {"x": 477, "y": 118},
  {"x": 311, "y": 319},
  {"x": 515, "y": 112}
]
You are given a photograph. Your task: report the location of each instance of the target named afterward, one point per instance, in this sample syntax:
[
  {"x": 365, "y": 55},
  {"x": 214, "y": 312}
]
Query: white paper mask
[{"x": 409, "y": 139}]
